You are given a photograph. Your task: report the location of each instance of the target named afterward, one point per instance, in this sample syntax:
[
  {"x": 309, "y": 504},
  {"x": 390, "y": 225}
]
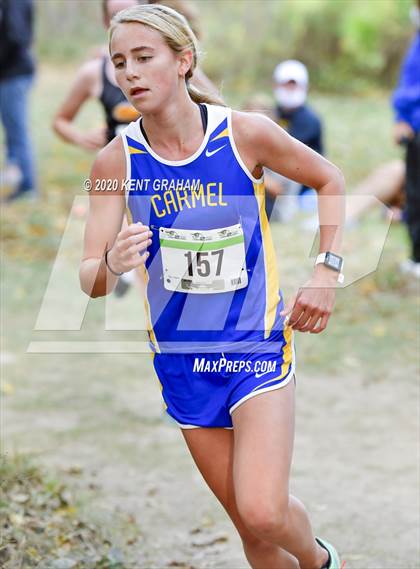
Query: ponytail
[{"x": 202, "y": 97}]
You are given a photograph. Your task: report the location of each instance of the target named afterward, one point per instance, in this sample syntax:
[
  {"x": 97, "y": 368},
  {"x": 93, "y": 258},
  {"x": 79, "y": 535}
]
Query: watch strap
[
  {"x": 321, "y": 260},
  {"x": 322, "y": 256}
]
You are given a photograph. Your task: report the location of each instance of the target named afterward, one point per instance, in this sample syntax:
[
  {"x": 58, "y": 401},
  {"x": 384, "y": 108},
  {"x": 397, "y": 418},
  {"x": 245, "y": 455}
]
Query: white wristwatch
[{"x": 332, "y": 261}]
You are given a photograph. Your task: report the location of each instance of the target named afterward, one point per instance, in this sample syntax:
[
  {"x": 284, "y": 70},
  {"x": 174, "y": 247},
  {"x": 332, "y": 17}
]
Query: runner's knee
[{"x": 265, "y": 520}]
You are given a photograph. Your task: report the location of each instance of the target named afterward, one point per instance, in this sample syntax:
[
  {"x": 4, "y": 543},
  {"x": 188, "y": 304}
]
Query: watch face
[{"x": 333, "y": 261}]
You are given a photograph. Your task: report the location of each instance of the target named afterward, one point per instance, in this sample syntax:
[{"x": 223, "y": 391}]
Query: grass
[
  {"x": 374, "y": 326},
  {"x": 43, "y": 524},
  {"x": 358, "y": 132}
]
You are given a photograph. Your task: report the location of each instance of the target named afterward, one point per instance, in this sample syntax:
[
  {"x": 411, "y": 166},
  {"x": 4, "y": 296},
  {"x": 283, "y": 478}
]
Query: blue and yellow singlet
[{"x": 212, "y": 280}]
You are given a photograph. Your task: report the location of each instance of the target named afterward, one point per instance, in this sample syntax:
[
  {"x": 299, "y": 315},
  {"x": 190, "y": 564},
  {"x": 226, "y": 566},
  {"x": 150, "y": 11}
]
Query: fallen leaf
[
  {"x": 181, "y": 564},
  {"x": 64, "y": 563},
  {"x": 20, "y": 498},
  {"x": 16, "y": 519},
  {"x": 195, "y": 530},
  {"x": 65, "y": 511},
  {"x": 209, "y": 542},
  {"x": 66, "y": 497},
  {"x": 207, "y": 521}
]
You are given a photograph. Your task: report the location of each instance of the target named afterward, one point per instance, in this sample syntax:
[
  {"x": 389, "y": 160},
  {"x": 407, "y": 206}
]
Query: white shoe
[
  {"x": 411, "y": 268},
  {"x": 11, "y": 176}
]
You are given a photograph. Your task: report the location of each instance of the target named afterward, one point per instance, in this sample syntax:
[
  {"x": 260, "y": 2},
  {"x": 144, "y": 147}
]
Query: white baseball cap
[{"x": 291, "y": 70}]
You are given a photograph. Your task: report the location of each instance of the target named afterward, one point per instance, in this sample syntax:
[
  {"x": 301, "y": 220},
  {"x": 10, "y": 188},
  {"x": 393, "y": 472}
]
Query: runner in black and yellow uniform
[{"x": 96, "y": 80}]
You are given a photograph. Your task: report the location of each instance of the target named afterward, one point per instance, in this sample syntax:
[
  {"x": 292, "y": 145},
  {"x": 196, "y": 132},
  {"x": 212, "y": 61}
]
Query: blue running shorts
[{"x": 202, "y": 390}]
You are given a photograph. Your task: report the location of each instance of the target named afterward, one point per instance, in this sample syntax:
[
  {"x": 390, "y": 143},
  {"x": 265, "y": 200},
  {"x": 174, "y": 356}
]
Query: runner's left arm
[{"x": 263, "y": 143}]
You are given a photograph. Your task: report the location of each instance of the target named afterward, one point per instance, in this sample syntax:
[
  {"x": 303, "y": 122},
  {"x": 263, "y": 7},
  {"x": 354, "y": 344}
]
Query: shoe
[
  {"x": 26, "y": 196},
  {"x": 335, "y": 562},
  {"x": 11, "y": 176},
  {"x": 410, "y": 268}
]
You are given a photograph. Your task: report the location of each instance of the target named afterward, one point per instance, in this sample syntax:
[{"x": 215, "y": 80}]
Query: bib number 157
[{"x": 200, "y": 262}]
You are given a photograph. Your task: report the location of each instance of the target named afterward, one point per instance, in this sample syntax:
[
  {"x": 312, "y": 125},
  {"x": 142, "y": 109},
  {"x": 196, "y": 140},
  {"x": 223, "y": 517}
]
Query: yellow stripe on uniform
[
  {"x": 287, "y": 350},
  {"x": 271, "y": 275},
  {"x": 147, "y": 308},
  {"x": 133, "y": 150},
  {"x": 221, "y": 135},
  {"x": 161, "y": 386}
]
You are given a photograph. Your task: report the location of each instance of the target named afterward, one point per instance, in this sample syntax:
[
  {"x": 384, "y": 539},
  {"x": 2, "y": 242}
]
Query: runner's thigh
[
  {"x": 263, "y": 446},
  {"x": 212, "y": 451}
]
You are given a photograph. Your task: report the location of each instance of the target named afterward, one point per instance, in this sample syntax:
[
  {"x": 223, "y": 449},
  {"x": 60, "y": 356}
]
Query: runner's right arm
[{"x": 104, "y": 227}]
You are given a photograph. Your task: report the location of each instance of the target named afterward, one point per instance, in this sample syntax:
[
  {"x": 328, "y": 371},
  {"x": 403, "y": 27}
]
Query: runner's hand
[
  {"x": 93, "y": 139},
  {"x": 128, "y": 250},
  {"x": 310, "y": 309}
]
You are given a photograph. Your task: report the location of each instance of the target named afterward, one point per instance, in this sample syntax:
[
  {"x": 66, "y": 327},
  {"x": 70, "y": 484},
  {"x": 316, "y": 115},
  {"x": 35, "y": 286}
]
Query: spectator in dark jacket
[
  {"x": 16, "y": 75},
  {"x": 290, "y": 91},
  {"x": 406, "y": 102},
  {"x": 291, "y": 82}
]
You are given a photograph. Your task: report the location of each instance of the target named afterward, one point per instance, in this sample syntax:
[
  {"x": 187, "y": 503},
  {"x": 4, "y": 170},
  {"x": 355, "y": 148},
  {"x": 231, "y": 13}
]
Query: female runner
[
  {"x": 191, "y": 171},
  {"x": 96, "y": 80}
]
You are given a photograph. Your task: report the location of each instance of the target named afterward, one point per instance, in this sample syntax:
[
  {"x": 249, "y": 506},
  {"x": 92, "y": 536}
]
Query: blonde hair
[
  {"x": 177, "y": 34},
  {"x": 186, "y": 9}
]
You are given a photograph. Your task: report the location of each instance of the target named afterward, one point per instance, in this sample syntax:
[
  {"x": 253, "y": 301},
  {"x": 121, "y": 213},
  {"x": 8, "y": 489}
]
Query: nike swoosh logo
[
  {"x": 257, "y": 375},
  {"x": 208, "y": 153}
]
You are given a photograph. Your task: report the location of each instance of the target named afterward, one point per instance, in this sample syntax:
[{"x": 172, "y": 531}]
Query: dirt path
[{"x": 355, "y": 464}]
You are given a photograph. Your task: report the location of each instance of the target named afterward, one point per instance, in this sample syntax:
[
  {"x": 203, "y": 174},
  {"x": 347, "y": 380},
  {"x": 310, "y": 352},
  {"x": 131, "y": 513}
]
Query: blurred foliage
[
  {"x": 348, "y": 45},
  {"x": 42, "y": 524},
  {"x": 66, "y": 31}
]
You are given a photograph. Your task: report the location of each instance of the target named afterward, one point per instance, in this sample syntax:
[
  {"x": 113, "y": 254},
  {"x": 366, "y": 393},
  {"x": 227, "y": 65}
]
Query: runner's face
[{"x": 146, "y": 69}]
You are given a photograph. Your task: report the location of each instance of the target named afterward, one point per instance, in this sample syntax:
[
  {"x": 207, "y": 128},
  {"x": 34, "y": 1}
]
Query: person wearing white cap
[{"x": 291, "y": 82}]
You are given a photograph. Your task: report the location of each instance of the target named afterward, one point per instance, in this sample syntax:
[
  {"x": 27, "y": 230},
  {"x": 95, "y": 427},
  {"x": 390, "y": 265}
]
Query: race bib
[{"x": 203, "y": 262}]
